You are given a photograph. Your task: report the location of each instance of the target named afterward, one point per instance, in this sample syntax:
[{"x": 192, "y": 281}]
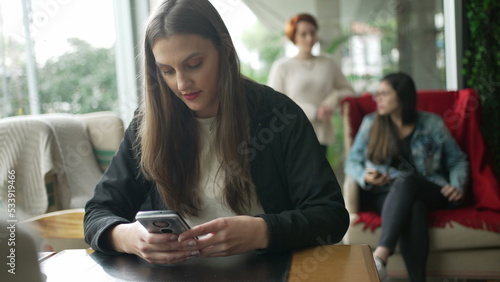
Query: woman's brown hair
[
  {"x": 291, "y": 25},
  {"x": 383, "y": 142},
  {"x": 168, "y": 139}
]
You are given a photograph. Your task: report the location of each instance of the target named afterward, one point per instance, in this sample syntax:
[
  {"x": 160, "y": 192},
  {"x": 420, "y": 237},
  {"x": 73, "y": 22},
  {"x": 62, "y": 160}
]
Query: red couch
[{"x": 460, "y": 238}]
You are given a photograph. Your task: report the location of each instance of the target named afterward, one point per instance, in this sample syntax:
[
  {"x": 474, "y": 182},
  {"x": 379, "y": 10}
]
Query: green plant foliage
[
  {"x": 482, "y": 67},
  {"x": 335, "y": 153},
  {"x": 388, "y": 26},
  {"x": 269, "y": 47},
  {"x": 336, "y": 43},
  {"x": 80, "y": 81}
]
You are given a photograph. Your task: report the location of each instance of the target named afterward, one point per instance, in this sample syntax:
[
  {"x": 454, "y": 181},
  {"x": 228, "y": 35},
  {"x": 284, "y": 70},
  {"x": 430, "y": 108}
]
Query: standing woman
[
  {"x": 238, "y": 160},
  {"x": 315, "y": 83},
  {"x": 407, "y": 164}
]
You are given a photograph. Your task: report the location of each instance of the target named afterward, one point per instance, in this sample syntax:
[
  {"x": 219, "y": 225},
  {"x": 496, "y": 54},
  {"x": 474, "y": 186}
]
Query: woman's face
[
  {"x": 189, "y": 65},
  {"x": 386, "y": 99},
  {"x": 305, "y": 36}
]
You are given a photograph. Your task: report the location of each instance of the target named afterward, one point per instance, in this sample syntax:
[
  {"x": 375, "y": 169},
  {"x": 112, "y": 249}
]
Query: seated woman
[
  {"x": 238, "y": 160},
  {"x": 407, "y": 164}
]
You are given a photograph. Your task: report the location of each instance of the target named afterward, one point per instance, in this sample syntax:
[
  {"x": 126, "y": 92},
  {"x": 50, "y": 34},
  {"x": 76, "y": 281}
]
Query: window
[
  {"x": 395, "y": 35},
  {"x": 72, "y": 63},
  {"x": 375, "y": 37}
]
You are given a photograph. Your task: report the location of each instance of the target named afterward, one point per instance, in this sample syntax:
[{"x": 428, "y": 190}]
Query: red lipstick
[{"x": 192, "y": 95}]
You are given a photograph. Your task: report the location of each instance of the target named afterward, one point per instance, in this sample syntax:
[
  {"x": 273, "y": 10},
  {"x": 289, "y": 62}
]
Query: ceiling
[{"x": 274, "y": 13}]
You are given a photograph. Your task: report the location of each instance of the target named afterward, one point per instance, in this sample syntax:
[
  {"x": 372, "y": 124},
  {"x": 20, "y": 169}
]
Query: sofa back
[
  {"x": 55, "y": 160},
  {"x": 105, "y": 131},
  {"x": 460, "y": 111}
]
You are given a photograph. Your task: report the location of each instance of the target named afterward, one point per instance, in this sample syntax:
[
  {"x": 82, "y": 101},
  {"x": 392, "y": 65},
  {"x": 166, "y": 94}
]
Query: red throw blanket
[{"x": 460, "y": 111}]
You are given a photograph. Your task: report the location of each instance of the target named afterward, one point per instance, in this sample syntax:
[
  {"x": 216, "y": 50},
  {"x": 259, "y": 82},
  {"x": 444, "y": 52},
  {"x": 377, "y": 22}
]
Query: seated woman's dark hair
[
  {"x": 405, "y": 88},
  {"x": 383, "y": 142}
]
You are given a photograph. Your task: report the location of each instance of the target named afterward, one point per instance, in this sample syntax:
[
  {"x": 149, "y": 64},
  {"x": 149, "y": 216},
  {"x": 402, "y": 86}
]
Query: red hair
[{"x": 291, "y": 25}]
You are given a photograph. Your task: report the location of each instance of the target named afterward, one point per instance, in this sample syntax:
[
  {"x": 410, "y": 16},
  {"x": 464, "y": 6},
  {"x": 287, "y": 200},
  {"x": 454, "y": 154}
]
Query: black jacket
[{"x": 295, "y": 184}]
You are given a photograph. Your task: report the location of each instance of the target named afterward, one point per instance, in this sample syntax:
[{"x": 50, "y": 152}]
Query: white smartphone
[{"x": 162, "y": 221}]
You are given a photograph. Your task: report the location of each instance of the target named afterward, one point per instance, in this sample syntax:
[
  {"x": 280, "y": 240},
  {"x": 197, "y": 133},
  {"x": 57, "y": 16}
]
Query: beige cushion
[
  {"x": 476, "y": 263},
  {"x": 457, "y": 237},
  {"x": 106, "y": 133}
]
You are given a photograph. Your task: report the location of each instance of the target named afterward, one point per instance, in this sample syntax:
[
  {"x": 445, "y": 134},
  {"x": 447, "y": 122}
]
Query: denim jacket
[{"x": 436, "y": 155}]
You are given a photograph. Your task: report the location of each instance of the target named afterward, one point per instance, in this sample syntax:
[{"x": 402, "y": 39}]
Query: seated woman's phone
[
  {"x": 374, "y": 172},
  {"x": 164, "y": 221}
]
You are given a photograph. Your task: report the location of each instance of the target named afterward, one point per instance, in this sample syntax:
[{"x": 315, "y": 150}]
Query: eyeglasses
[{"x": 381, "y": 94}]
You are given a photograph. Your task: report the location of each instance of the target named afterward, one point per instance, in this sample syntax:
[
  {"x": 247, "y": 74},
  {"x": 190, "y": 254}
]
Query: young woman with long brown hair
[
  {"x": 407, "y": 164},
  {"x": 239, "y": 161}
]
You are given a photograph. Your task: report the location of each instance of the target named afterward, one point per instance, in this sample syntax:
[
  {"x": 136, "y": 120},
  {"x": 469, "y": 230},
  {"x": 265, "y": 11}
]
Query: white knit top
[
  {"x": 312, "y": 83},
  {"x": 212, "y": 180}
]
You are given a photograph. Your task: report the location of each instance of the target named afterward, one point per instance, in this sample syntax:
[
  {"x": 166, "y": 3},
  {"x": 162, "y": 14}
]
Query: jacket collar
[{"x": 262, "y": 100}]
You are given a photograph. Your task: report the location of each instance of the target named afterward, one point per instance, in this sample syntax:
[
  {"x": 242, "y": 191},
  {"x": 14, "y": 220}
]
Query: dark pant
[{"x": 404, "y": 218}]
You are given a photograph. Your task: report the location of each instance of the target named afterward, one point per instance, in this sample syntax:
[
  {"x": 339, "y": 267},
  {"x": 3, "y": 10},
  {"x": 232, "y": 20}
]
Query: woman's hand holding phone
[
  {"x": 158, "y": 248},
  {"x": 375, "y": 177},
  {"x": 219, "y": 237},
  {"x": 229, "y": 236}
]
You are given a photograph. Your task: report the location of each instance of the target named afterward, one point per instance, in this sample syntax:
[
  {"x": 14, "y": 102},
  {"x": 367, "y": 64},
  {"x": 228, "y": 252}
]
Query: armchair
[
  {"x": 55, "y": 159},
  {"x": 465, "y": 242}
]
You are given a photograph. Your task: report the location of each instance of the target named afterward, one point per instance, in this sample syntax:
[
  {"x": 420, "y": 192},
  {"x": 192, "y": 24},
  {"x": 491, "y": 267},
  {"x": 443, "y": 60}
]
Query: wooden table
[
  {"x": 322, "y": 263},
  {"x": 334, "y": 263}
]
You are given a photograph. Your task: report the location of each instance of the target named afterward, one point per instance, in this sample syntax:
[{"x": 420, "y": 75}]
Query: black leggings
[{"x": 404, "y": 218}]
